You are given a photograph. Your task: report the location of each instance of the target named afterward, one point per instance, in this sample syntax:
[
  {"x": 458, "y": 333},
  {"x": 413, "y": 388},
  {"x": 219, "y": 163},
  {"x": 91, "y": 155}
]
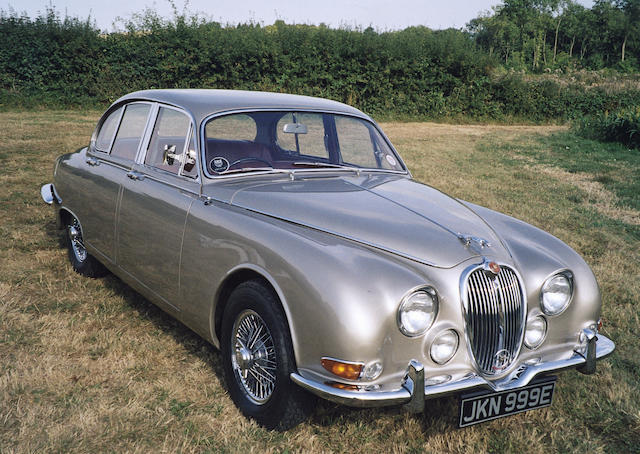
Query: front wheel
[
  {"x": 82, "y": 262},
  {"x": 258, "y": 358}
]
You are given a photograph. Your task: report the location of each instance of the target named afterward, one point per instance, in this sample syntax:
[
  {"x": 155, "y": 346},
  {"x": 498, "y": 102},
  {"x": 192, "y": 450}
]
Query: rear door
[
  {"x": 156, "y": 199},
  {"x": 109, "y": 158}
]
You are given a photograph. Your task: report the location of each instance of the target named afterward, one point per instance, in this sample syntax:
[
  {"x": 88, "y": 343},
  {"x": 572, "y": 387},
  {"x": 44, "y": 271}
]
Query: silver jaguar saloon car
[{"x": 287, "y": 231}]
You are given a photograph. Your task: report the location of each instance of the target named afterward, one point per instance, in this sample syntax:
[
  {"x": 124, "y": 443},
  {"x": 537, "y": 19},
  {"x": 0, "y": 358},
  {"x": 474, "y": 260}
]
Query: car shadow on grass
[{"x": 439, "y": 415}]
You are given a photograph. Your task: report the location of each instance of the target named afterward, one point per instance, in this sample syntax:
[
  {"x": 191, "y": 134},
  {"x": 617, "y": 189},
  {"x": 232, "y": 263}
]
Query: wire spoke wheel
[
  {"x": 77, "y": 244},
  {"x": 253, "y": 357}
]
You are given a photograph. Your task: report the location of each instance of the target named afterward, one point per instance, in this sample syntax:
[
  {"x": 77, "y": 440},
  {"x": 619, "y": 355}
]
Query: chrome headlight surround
[
  {"x": 556, "y": 293},
  {"x": 417, "y": 311}
]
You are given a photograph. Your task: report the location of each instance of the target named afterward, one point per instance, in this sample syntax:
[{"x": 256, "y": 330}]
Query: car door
[
  {"x": 109, "y": 158},
  {"x": 155, "y": 202}
]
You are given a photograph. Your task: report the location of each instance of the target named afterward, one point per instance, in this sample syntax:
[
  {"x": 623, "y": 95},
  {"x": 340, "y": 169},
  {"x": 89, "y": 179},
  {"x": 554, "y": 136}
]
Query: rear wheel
[
  {"x": 82, "y": 262},
  {"x": 258, "y": 358}
]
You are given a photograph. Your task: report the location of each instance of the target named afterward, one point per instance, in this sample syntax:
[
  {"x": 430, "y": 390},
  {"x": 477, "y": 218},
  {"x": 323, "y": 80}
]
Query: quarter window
[
  {"x": 108, "y": 130},
  {"x": 130, "y": 132},
  {"x": 167, "y": 144}
]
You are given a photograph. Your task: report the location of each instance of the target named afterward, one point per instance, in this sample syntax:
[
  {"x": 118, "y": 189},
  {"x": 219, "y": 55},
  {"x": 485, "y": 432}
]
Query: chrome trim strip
[{"x": 518, "y": 378}]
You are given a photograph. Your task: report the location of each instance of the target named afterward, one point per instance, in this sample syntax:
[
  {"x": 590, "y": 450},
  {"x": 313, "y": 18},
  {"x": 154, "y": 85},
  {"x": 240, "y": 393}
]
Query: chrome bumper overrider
[
  {"x": 413, "y": 391},
  {"x": 49, "y": 194}
]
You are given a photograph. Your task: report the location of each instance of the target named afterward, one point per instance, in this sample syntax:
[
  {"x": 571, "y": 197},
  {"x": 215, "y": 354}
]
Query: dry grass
[{"x": 89, "y": 366}]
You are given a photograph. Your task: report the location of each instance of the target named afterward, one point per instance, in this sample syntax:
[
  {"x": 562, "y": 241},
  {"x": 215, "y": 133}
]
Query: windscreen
[{"x": 251, "y": 141}]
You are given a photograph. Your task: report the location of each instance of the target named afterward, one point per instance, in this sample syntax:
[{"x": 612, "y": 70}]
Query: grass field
[{"x": 89, "y": 366}]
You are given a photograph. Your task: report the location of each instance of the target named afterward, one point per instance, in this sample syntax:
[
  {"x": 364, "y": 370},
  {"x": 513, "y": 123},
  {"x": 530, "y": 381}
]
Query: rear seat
[{"x": 233, "y": 150}]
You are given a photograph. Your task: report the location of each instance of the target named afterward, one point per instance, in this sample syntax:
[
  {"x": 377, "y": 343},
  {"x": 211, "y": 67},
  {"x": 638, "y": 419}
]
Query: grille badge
[{"x": 501, "y": 360}]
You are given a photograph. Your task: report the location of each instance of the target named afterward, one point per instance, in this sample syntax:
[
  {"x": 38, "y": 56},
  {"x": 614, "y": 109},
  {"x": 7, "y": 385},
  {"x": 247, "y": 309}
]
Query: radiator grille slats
[{"x": 494, "y": 317}]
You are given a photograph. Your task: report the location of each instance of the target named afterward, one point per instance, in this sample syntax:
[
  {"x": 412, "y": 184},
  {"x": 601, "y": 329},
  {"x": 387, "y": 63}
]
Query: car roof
[{"x": 203, "y": 102}]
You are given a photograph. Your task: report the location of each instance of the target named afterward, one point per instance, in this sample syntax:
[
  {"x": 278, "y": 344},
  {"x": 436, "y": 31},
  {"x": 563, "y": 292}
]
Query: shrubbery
[
  {"x": 622, "y": 126},
  {"x": 413, "y": 73}
]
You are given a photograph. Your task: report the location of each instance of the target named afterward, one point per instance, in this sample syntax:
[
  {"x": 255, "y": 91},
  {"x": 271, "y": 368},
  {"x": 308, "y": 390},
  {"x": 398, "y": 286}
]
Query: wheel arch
[{"x": 235, "y": 277}]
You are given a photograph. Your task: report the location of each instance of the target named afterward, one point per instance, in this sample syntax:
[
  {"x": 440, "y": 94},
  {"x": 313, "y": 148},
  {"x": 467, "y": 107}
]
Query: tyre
[
  {"x": 258, "y": 357},
  {"x": 81, "y": 261}
]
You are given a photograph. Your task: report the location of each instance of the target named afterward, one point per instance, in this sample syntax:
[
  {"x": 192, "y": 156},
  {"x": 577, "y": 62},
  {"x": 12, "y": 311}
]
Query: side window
[
  {"x": 108, "y": 130},
  {"x": 311, "y": 142},
  {"x": 168, "y": 140},
  {"x": 130, "y": 131}
]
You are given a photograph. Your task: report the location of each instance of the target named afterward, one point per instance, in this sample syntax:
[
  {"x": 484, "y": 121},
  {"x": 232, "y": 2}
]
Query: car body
[{"x": 373, "y": 289}]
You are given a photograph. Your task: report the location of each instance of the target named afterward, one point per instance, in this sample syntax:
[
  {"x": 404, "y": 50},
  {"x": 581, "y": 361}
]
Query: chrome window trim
[
  {"x": 146, "y": 135},
  {"x": 363, "y": 117},
  {"x": 142, "y": 152},
  {"x": 465, "y": 313}
]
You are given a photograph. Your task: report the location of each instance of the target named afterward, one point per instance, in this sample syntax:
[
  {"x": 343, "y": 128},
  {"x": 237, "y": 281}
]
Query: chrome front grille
[{"x": 494, "y": 314}]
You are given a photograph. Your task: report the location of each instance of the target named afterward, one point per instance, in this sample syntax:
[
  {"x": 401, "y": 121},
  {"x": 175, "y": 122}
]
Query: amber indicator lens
[
  {"x": 343, "y": 386},
  {"x": 350, "y": 371}
]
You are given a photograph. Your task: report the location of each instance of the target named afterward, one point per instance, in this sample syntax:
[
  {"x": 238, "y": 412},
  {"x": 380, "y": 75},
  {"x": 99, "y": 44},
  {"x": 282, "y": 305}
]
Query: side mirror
[
  {"x": 190, "y": 160},
  {"x": 169, "y": 156}
]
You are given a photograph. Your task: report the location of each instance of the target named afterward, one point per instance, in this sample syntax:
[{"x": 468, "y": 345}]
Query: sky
[{"x": 380, "y": 14}]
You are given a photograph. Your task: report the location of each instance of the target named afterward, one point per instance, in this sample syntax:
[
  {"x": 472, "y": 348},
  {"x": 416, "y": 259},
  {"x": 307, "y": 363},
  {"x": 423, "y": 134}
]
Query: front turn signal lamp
[{"x": 343, "y": 369}]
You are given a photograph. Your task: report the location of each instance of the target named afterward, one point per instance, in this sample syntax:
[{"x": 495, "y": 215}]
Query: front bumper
[{"x": 413, "y": 391}]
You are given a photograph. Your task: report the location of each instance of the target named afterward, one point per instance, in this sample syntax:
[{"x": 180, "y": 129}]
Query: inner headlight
[
  {"x": 417, "y": 312},
  {"x": 536, "y": 331},
  {"x": 444, "y": 346},
  {"x": 556, "y": 293}
]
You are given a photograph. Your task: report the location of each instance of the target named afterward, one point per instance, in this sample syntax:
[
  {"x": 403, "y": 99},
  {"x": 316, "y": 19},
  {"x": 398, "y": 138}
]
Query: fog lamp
[
  {"x": 372, "y": 370},
  {"x": 536, "y": 331},
  {"x": 444, "y": 346}
]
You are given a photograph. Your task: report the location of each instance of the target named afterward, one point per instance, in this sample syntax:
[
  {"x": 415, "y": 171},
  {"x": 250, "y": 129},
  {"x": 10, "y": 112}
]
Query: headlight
[
  {"x": 536, "y": 331},
  {"x": 444, "y": 346},
  {"x": 556, "y": 293},
  {"x": 417, "y": 312}
]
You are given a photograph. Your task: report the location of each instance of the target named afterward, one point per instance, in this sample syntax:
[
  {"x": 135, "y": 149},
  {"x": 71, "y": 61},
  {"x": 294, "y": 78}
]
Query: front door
[{"x": 155, "y": 202}]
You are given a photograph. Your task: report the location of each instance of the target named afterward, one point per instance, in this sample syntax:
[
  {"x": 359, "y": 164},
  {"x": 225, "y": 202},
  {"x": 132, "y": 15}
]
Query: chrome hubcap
[
  {"x": 253, "y": 357},
  {"x": 75, "y": 236}
]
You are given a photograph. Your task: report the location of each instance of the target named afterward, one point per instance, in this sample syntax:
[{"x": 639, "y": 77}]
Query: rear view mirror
[{"x": 295, "y": 128}]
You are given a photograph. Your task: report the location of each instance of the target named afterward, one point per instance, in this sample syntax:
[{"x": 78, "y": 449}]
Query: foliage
[
  {"x": 412, "y": 73},
  {"x": 621, "y": 126},
  {"x": 539, "y": 35}
]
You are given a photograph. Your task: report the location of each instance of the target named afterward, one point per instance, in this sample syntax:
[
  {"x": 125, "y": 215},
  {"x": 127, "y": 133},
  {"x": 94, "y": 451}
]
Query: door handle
[
  {"x": 136, "y": 176},
  {"x": 93, "y": 162}
]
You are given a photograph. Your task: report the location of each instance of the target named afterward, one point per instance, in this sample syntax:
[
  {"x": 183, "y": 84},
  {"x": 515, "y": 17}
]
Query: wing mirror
[{"x": 169, "y": 156}]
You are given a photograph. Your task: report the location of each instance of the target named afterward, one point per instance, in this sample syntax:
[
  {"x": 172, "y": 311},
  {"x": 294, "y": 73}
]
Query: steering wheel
[{"x": 248, "y": 159}]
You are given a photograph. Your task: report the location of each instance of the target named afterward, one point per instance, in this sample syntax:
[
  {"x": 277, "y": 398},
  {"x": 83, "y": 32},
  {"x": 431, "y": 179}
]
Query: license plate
[{"x": 481, "y": 406}]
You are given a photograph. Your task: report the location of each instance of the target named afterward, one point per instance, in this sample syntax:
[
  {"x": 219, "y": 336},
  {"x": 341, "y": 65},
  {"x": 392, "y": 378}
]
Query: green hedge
[{"x": 413, "y": 73}]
